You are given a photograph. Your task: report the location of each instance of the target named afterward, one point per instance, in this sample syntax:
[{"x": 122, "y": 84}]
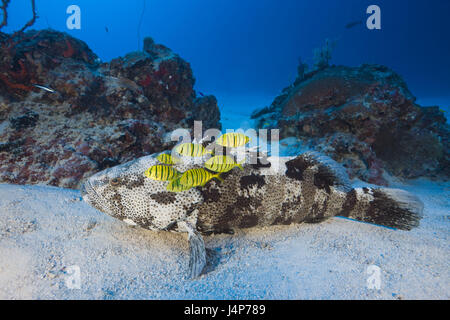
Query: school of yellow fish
[{"x": 182, "y": 181}]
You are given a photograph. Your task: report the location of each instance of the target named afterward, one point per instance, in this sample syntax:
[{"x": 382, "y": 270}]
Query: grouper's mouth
[{"x": 91, "y": 197}]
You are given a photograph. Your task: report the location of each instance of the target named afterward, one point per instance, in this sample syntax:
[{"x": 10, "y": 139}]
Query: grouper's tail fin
[{"x": 392, "y": 208}]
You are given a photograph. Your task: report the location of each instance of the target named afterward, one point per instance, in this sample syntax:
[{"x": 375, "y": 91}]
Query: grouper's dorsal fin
[
  {"x": 328, "y": 171},
  {"x": 332, "y": 169}
]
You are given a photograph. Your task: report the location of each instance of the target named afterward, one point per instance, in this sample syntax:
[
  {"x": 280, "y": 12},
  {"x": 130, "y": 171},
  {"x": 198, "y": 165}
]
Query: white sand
[{"x": 44, "y": 230}]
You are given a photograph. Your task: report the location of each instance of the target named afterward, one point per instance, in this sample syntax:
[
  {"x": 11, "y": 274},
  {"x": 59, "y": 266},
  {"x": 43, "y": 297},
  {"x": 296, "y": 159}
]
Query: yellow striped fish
[
  {"x": 162, "y": 173},
  {"x": 233, "y": 140},
  {"x": 221, "y": 164},
  {"x": 197, "y": 177},
  {"x": 191, "y": 149},
  {"x": 167, "y": 159},
  {"x": 176, "y": 186}
]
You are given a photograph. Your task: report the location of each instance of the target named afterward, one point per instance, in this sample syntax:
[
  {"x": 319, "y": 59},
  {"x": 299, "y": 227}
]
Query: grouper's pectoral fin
[
  {"x": 197, "y": 252},
  {"x": 197, "y": 258}
]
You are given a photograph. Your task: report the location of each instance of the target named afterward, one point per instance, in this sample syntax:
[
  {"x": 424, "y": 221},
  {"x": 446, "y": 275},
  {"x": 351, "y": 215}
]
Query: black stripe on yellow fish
[
  {"x": 176, "y": 186},
  {"x": 167, "y": 159},
  {"x": 162, "y": 173},
  {"x": 221, "y": 164},
  {"x": 197, "y": 177},
  {"x": 233, "y": 140},
  {"x": 191, "y": 150}
]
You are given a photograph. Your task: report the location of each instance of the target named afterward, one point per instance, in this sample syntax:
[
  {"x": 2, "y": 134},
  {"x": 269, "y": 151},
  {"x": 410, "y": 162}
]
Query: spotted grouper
[{"x": 284, "y": 190}]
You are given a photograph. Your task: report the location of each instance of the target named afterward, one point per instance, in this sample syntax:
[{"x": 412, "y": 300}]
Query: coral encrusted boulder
[
  {"x": 94, "y": 115},
  {"x": 366, "y": 118}
]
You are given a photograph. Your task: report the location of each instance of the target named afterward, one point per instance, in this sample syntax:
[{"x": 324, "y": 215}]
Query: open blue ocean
[{"x": 245, "y": 53}]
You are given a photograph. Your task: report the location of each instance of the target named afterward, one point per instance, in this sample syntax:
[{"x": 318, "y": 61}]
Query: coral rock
[
  {"x": 100, "y": 115},
  {"x": 367, "y": 119}
]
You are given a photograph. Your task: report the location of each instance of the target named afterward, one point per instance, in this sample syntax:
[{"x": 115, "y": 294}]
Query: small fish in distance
[
  {"x": 44, "y": 88},
  {"x": 353, "y": 24}
]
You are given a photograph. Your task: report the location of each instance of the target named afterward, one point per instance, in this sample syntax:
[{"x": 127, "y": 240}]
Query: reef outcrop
[
  {"x": 98, "y": 115},
  {"x": 365, "y": 118}
]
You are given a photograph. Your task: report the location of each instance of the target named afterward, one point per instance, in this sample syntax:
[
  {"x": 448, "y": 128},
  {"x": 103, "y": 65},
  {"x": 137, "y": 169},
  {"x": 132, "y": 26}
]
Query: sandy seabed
[{"x": 48, "y": 234}]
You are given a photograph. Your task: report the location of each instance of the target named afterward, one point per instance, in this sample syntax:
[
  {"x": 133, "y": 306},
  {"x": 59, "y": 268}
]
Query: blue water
[{"x": 245, "y": 52}]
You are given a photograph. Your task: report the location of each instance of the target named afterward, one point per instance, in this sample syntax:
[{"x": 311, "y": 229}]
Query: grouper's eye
[{"x": 115, "y": 181}]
